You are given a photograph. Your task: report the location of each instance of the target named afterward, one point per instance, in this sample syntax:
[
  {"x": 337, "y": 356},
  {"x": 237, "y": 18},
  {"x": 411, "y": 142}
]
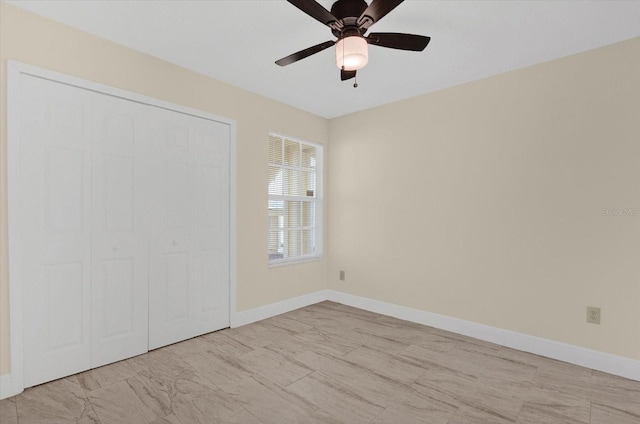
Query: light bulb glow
[{"x": 352, "y": 53}]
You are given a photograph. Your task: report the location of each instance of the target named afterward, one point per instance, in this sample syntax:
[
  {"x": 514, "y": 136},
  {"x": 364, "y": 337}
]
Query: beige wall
[
  {"x": 485, "y": 201},
  {"x": 28, "y": 38}
]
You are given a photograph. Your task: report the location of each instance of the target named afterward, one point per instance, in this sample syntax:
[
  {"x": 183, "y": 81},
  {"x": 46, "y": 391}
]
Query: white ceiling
[{"x": 238, "y": 41}]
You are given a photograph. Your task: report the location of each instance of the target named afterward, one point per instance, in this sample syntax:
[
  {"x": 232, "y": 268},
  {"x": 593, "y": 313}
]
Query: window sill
[{"x": 296, "y": 261}]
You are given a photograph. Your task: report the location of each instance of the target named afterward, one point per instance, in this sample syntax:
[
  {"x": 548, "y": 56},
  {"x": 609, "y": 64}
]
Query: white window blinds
[{"x": 295, "y": 176}]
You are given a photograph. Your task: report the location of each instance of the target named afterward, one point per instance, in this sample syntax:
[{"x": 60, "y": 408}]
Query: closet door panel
[
  {"x": 119, "y": 230},
  {"x": 171, "y": 291},
  {"x": 189, "y": 263},
  {"x": 211, "y": 249},
  {"x": 55, "y": 229}
]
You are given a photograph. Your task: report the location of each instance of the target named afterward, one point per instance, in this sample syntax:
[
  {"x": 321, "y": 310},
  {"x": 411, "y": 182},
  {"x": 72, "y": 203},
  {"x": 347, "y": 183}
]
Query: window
[{"x": 295, "y": 200}]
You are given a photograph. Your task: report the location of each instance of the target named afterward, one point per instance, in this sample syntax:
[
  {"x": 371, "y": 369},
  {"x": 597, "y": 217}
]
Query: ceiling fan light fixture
[{"x": 352, "y": 53}]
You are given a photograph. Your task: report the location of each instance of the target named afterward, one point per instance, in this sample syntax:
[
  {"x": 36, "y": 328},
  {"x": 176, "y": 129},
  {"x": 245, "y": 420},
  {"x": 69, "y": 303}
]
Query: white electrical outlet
[{"x": 593, "y": 315}]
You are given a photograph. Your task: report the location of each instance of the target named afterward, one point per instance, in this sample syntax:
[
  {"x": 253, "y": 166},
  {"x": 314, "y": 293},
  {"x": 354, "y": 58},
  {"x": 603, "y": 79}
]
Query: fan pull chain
[{"x": 355, "y": 84}]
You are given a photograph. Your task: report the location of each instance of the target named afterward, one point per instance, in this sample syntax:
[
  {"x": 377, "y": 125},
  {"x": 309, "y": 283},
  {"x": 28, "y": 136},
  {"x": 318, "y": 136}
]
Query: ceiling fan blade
[
  {"x": 396, "y": 40},
  {"x": 377, "y": 10},
  {"x": 315, "y": 10},
  {"x": 345, "y": 75},
  {"x": 304, "y": 53}
]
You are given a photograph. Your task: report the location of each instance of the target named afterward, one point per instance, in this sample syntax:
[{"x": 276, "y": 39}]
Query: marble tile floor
[{"x": 330, "y": 363}]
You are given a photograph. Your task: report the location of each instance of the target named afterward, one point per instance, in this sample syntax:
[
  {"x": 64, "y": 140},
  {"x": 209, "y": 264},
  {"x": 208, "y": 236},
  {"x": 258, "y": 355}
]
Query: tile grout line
[
  {"x": 86, "y": 395},
  {"x": 15, "y": 403}
]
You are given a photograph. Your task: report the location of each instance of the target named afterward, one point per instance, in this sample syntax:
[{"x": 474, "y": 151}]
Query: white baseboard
[
  {"x": 273, "y": 309},
  {"x": 601, "y": 361},
  {"x": 7, "y": 388}
]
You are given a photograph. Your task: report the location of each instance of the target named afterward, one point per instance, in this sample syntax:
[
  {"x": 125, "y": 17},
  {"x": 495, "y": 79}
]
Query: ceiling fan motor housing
[
  {"x": 348, "y": 11},
  {"x": 348, "y": 8}
]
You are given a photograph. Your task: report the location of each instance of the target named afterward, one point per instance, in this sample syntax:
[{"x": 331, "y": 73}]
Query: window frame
[{"x": 317, "y": 200}]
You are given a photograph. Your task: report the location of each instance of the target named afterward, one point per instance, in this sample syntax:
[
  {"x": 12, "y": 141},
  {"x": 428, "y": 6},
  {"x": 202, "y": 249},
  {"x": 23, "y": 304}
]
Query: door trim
[{"x": 15, "y": 70}]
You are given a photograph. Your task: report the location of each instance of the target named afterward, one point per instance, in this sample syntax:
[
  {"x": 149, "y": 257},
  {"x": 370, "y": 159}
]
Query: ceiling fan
[{"x": 349, "y": 21}]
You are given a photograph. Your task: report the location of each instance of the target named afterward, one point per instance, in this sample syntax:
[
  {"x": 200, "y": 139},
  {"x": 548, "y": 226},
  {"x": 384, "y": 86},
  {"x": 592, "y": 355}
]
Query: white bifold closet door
[
  {"x": 121, "y": 172},
  {"x": 124, "y": 227},
  {"x": 189, "y": 254},
  {"x": 55, "y": 229}
]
